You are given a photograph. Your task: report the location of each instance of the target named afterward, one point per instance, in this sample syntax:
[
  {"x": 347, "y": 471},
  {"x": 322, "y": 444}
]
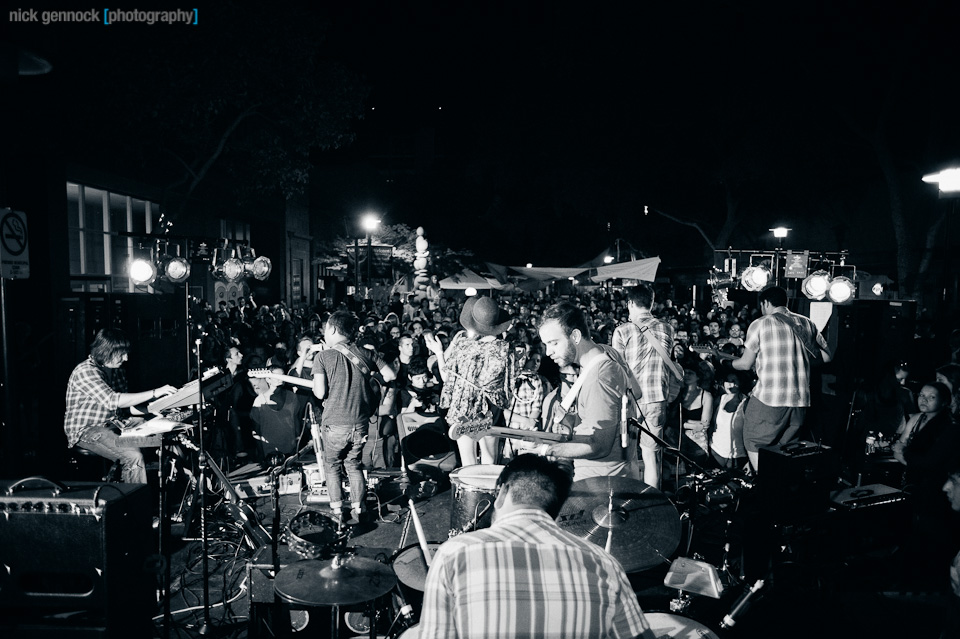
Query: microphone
[{"x": 730, "y": 619}]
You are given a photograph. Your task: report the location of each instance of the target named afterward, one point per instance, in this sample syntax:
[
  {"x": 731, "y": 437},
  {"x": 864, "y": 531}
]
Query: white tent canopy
[
  {"x": 469, "y": 279},
  {"x": 645, "y": 270}
]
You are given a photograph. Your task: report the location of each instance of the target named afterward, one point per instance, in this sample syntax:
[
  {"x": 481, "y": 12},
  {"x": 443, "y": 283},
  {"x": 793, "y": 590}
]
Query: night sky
[{"x": 540, "y": 131}]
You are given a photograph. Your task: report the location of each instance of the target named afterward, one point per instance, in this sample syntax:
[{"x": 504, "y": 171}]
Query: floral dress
[{"x": 481, "y": 376}]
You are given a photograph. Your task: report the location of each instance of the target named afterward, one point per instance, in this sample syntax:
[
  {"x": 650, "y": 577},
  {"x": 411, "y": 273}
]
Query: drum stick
[
  {"x": 419, "y": 528},
  {"x": 610, "y": 523}
]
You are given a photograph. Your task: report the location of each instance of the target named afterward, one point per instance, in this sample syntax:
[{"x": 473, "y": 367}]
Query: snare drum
[
  {"x": 312, "y": 535},
  {"x": 411, "y": 570},
  {"x": 666, "y": 625},
  {"x": 474, "y": 489}
]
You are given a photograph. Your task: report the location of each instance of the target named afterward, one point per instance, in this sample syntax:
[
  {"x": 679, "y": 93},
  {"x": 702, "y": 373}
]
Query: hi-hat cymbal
[
  {"x": 340, "y": 581},
  {"x": 641, "y": 524}
]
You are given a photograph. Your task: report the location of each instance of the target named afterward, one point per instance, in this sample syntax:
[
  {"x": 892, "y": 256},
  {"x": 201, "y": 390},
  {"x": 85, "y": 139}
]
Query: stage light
[
  {"x": 253, "y": 266},
  {"x": 175, "y": 269},
  {"x": 609, "y": 259},
  {"x": 780, "y": 232},
  {"x": 841, "y": 290},
  {"x": 470, "y": 292},
  {"x": 947, "y": 180},
  {"x": 755, "y": 278},
  {"x": 142, "y": 271},
  {"x": 229, "y": 269},
  {"x": 816, "y": 285},
  {"x": 877, "y": 289}
]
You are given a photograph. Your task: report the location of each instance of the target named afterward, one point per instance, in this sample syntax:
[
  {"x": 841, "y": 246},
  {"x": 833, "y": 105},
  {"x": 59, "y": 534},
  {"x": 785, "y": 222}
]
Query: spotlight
[
  {"x": 816, "y": 285},
  {"x": 755, "y": 278},
  {"x": 256, "y": 267},
  {"x": 142, "y": 271},
  {"x": 841, "y": 290},
  {"x": 229, "y": 269},
  {"x": 877, "y": 289},
  {"x": 175, "y": 269}
]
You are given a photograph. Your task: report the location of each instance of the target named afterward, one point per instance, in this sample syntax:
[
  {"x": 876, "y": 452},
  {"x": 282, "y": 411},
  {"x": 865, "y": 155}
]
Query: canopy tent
[
  {"x": 468, "y": 279},
  {"x": 549, "y": 272},
  {"x": 645, "y": 270}
]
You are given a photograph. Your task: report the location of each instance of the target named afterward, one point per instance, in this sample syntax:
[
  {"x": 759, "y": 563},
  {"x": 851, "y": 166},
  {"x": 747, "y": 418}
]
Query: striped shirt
[
  {"x": 782, "y": 366},
  {"x": 526, "y": 577},
  {"x": 91, "y": 401},
  {"x": 645, "y": 362}
]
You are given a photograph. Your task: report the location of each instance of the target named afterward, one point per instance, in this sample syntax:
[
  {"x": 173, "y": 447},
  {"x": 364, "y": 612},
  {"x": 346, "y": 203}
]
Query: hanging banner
[
  {"x": 14, "y": 245},
  {"x": 381, "y": 266}
]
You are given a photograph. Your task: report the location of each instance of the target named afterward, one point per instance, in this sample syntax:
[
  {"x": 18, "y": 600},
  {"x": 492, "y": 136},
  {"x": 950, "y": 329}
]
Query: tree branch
[{"x": 695, "y": 225}]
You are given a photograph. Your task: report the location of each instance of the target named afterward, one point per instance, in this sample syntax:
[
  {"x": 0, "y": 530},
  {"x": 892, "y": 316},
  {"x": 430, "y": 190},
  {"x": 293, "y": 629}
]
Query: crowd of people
[{"x": 622, "y": 374}]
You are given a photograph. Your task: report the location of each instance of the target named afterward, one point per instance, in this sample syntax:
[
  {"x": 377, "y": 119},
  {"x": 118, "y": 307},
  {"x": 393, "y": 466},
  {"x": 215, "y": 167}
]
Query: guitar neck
[
  {"x": 480, "y": 431},
  {"x": 289, "y": 379}
]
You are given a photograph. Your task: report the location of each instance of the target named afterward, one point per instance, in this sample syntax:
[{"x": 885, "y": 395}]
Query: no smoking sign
[{"x": 14, "y": 245}]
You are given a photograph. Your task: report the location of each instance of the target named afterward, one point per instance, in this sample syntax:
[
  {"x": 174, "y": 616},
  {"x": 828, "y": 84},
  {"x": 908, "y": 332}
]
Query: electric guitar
[
  {"x": 266, "y": 373},
  {"x": 710, "y": 349},
  {"x": 479, "y": 430}
]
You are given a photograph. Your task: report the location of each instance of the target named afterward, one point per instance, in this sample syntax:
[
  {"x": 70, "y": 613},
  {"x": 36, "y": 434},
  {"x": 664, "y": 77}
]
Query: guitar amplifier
[
  {"x": 796, "y": 479},
  {"x": 77, "y": 551}
]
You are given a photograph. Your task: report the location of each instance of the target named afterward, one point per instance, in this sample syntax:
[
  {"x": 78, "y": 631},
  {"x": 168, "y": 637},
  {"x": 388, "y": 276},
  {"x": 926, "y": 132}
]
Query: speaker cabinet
[
  {"x": 75, "y": 559},
  {"x": 795, "y": 479}
]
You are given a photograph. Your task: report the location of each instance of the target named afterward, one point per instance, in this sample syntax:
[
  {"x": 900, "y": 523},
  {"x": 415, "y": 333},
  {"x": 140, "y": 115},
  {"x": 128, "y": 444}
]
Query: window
[{"x": 100, "y": 250}]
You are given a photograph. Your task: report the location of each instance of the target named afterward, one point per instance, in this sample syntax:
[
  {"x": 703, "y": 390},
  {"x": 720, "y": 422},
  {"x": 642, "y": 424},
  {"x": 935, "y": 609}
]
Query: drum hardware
[
  {"x": 313, "y": 535},
  {"x": 474, "y": 489},
  {"x": 692, "y": 576},
  {"x": 641, "y": 525}
]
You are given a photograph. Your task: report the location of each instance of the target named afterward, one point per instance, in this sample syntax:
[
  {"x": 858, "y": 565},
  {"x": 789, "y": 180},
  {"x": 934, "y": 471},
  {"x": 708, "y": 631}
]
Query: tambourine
[{"x": 312, "y": 535}]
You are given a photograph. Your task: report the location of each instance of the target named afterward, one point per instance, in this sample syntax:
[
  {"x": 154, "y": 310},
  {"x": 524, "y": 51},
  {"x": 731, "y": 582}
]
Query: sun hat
[{"x": 484, "y": 316}]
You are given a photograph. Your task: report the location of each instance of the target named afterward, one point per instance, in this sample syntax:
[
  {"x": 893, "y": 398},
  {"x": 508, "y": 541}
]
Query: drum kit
[{"x": 634, "y": 522}]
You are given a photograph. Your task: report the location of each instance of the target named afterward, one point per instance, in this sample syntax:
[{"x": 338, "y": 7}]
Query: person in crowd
[
  {"x": 524, "y": 413},
  {"x": 949, "y": 375},
  {"x": 275, "y": 417},
  {"x": 633, "y": 341},
  {"x": 952, "y": 489},
  {"x": 696, "y": 410},
  {"x": 341, "y": 377},
  {"x": 781, "y": 346},
  {"x": 96, "y": 398},
  {"x": 570, "y": 587},
  {"x": 479, "y": 372},
  {"x": 726, "y": 434},
  {"x": 928, "y": 445},
  {"x": 596, "y": 447}
]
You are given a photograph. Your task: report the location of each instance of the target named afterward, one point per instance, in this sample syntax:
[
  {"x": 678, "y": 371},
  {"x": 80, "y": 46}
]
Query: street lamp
[
  {"x": 370, "y": 222},
  {"x": 779, "y": 232}
]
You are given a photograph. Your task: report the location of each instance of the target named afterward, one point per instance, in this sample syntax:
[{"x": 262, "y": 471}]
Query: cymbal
[
  {"x": 340, "y": 581},
  {"x": 642, "y": 525}
]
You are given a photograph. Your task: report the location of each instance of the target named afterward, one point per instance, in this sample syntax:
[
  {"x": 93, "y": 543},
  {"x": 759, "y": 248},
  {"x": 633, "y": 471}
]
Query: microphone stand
[
  {"x": 207, "y": 626},
  {"x": 676, "y": 451}
]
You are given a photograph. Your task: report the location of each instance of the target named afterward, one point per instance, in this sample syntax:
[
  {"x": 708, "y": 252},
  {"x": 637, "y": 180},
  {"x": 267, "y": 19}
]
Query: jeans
[
  {"x": 102, "y": 441},
  {"x": 342, "y": 447}
]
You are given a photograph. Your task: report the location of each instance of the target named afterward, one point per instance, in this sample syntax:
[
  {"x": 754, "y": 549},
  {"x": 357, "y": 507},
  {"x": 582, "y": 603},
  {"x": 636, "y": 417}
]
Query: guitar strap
[
  {"x": 348, "y": 352},
  {"x": 657, "y": 346}
]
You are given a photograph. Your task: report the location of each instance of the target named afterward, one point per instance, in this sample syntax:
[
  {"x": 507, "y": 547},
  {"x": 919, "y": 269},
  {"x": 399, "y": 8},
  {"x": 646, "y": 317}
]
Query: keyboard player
[{"x": 98, "y": 401}]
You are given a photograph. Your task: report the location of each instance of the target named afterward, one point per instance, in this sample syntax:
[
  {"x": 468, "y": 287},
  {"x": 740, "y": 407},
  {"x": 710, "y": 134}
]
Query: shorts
[
  {"x": 770, "y": 425},
  {"x": 654, "y": 419}
]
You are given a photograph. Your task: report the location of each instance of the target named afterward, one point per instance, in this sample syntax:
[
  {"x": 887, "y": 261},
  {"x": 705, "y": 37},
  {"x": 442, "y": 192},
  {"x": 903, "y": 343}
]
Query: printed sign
[{"x": 14, "y": 245}]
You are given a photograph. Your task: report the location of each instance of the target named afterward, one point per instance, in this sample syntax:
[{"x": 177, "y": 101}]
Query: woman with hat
[{"x": 479, "y": 370}]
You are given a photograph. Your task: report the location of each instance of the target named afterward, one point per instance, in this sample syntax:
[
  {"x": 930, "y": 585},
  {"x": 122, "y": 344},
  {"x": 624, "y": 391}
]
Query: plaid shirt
[
  {"x": 783, "y": 372},
  {"x": 91, "y": 401},
  {"x": 526, "y": 577},
  {"x": 647, "y": 365}
]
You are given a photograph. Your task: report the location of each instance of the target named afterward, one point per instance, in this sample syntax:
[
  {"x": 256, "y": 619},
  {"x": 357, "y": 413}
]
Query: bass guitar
[{"x": 480, "y": 429}]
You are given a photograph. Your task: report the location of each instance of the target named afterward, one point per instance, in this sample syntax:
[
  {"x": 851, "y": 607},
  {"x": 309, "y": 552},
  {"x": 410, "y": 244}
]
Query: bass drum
[
  {"x": 667, "y": 625},
  {"x": 413, "y": 632}
]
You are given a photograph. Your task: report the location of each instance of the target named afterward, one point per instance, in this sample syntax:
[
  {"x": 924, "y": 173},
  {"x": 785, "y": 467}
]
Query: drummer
[
  {"x": 596, "y": 448},
  {"x": 572, "y": 587}
]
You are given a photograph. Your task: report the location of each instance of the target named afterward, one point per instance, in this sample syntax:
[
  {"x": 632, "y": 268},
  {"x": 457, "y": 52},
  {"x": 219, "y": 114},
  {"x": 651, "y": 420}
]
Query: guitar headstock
[{"x": 260, "y": 373}]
